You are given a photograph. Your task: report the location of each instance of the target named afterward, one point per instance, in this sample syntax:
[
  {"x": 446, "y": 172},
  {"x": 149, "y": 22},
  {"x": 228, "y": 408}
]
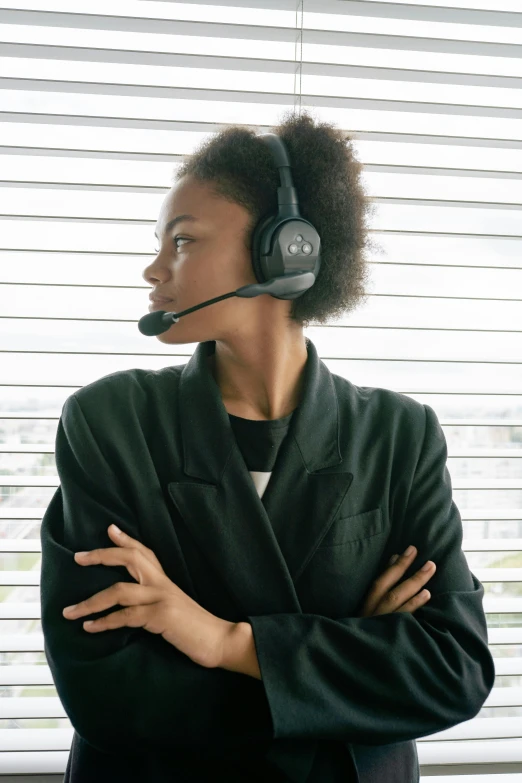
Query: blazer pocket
[{"x": 353, "y": 528}]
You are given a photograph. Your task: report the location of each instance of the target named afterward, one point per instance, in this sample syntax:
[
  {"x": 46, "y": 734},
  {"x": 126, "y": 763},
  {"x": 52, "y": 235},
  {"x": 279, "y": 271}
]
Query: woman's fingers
[
  {"x": 395, "y": 595},
  {"x": 414, "y": 603},
  {"x": 123, "y": 539},
  {"x": 387, "y": 580},
  {"x": 386, "y": 596}
]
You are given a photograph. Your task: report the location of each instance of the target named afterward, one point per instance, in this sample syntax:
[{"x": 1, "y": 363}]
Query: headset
[{"x": 285, "y": 249}]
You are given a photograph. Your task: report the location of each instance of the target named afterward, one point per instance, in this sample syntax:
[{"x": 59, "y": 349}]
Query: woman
[{"x": 260, "y": 498}]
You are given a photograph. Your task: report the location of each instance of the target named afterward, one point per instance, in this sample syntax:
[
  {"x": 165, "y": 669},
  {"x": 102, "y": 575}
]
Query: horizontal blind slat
[
  {"x": 258, "y": 108},
  {"x": 41, "y": 674},
  {"x": 460, "y": 27},
  {"x": 468, "y": 545},
  {"x": 492, "y": 605},
  {"x": 476, "y": 483},
  {"x": 30, "y": 610},
  {"x": 78, "y": 369},
  {"x": 469, "y": 453},
  {"x": 445, "y": 753},
  {"x": 477, "y": 11},
  {"x": 473, "y": 544},
  {"x": 466, "y": 346},
  {"x": 483, "y": 728},
  {"x": 252, "y": 76}
]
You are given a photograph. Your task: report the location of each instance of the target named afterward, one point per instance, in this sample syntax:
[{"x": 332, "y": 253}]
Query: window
[{"x": 99, "y": 103}]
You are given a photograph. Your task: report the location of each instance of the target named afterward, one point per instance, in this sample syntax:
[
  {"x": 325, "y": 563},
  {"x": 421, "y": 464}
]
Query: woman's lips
[{"x": 160, "y": 305}]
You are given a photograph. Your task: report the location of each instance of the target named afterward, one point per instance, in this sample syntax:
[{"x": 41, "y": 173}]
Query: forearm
[{"x": 239, "y": 651}]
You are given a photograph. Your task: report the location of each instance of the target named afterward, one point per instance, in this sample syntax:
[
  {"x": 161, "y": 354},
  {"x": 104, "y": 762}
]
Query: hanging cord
[{"x": 298, "y": 41}]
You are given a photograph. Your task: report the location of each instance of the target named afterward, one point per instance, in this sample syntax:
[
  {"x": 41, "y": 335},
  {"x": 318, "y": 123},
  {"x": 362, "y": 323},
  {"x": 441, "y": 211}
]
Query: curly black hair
[{"x": 326, "y": 174}]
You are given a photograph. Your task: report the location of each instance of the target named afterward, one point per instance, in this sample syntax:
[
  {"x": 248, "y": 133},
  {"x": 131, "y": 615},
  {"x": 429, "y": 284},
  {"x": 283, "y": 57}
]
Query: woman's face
[{"x": 200, "y": 259}]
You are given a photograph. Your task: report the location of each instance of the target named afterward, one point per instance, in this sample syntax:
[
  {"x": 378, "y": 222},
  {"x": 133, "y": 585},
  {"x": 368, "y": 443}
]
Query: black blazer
[{"x": 361, "y": 475}]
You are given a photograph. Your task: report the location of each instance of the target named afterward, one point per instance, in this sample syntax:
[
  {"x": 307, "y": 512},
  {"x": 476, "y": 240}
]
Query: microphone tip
[{"x": 154, "y": 323}]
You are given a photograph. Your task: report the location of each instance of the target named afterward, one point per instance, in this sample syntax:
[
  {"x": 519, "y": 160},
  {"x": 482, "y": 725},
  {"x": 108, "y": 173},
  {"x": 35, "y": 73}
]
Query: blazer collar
[
  {"x": 315, "y": 424},
  {"x": 259, "y": 546}
]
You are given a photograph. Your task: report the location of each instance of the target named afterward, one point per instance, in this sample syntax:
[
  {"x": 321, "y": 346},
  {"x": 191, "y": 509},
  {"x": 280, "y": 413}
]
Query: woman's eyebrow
[{"x": 178, "y": 219}]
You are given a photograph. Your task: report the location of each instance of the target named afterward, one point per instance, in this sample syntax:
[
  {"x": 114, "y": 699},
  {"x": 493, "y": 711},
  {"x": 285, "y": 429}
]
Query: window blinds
[{"x": 100, "y": 101}]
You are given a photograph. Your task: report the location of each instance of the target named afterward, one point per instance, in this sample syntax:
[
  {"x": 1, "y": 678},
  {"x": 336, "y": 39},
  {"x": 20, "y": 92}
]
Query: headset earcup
[{"x": 259, "y": 238}]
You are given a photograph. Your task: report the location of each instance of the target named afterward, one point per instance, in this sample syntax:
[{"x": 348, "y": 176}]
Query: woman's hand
[
  {"x": 155, "y": 603},
  {"x": 383, "y": 599}
]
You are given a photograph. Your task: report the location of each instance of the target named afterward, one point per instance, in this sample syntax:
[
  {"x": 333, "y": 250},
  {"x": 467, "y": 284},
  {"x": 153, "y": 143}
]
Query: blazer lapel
[{"x": 260, "y": 546}]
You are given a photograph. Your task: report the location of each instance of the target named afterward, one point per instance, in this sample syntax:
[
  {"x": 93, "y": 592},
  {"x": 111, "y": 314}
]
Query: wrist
[
  {"x": 239, "y": 653},
  {"x": 230, "y": 646}
]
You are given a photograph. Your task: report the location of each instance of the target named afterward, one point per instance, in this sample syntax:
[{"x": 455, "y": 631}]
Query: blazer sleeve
[
  {"x": 125, "y": 688},
  {"x": 392, "y": 677}
]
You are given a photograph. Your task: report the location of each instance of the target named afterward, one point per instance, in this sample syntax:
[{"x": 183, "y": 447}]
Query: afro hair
[{"x": 238, "y": 166}]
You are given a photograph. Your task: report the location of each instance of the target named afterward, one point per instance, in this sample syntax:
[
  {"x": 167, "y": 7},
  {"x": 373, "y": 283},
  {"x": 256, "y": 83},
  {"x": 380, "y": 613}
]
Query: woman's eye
[{"x": 175, "y": 240}]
